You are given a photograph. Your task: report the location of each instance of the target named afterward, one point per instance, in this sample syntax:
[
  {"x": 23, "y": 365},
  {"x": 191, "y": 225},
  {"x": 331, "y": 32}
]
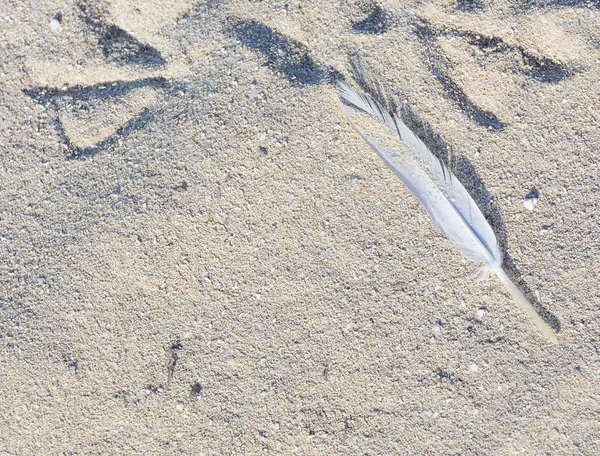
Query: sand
[{"x": 198, "y": 255}]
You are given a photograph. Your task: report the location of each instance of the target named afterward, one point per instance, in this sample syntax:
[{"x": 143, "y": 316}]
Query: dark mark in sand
[
  {"x": 376, "y": 23},
  {"x": 282, "y": 53},
  {"x": 118, "y": 46}
]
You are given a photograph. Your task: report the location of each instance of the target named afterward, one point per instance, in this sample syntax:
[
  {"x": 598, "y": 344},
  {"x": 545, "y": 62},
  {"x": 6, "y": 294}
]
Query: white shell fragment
[{"x": 530, "y": 202}]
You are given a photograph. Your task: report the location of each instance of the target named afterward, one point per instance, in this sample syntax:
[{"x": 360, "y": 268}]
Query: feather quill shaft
[{"x": 445, "y": 199}]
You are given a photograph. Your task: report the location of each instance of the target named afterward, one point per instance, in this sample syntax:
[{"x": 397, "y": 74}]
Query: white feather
[{"x": 442, "y": 195}]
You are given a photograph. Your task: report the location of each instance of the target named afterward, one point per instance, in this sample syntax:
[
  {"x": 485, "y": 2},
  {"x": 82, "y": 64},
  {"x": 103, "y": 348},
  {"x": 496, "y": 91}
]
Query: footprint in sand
[
  {"x": 96, "y": 107},
  {"x": 451, "y": 49}
]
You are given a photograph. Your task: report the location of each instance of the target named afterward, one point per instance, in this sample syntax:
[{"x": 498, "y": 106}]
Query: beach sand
[{"x": 199, "y": 255}]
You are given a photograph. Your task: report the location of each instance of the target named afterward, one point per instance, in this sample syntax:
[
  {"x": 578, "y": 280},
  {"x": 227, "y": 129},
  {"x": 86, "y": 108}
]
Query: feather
[{"x": 451, "y": 208}]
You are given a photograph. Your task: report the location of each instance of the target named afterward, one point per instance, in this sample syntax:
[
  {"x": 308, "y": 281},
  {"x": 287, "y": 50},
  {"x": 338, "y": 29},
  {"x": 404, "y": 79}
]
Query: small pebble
[
  {"x": 473, "y": 367},
  {"x": 481, "y": 313},
  {"x": 56, "y": 21},
  {"x": 554, "y": 434},
  {"x": 530, "y": 202},
  {"x": 437, "y": 326}
]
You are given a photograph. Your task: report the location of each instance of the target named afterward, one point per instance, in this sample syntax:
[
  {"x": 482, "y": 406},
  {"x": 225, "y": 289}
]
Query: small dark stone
[
  {"x": 196, "y": 390},
  {"x": 262, "y": 150}
]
